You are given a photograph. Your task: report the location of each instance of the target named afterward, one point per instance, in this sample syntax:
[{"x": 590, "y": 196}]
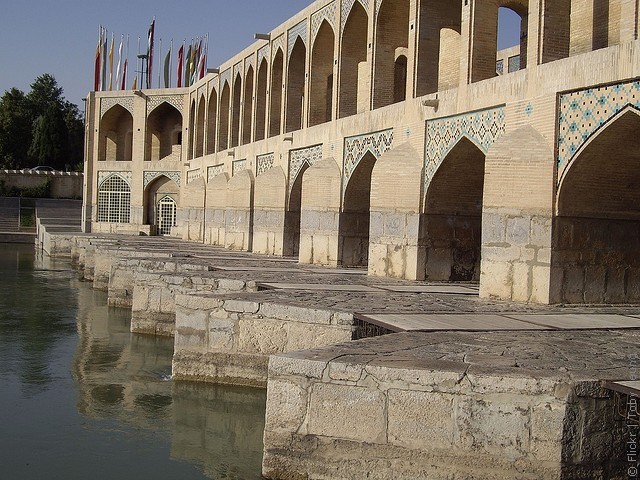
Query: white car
[{"x": 42, "y": 168}]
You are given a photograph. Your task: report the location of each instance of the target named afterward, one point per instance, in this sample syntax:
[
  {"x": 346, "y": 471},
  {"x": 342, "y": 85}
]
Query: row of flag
[{"x": 191, "y": 65}]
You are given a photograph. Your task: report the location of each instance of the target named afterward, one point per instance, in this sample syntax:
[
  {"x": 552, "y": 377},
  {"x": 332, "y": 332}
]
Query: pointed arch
[
  {"x": 453, "y": 214},
  {"x": 223, "y": 128},
  {"x": 295, "y": 86},
  {"x": 275, "y": 108},
  {"x": 160, "y": 188},
  {"x": 596, "y": 255},
  {"x": 353, "y": 52},
  {"x": 212, "y": 121},
  {"x": 261, "y": 101},
  {"x": 235, "y": 111},
  {"x": 390, "y": 61},
  {"x": 116, "y": 135},
  {"x": 199, "y": 150},
  {"x": 164, "y": 132},
  {"x": 114, "y": 200},
  {"x": 248, "y": 106},
  {"x": 192, "y": 127},
  {"x": 321, "y": 84}
]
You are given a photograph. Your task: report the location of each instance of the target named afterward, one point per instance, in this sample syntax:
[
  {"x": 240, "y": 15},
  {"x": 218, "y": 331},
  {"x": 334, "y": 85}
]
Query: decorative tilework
[
  {"x": 300, "y": 30},
  {"x": 500, "y": 67},
  {"x": 214, "y": 171},
  {"x": 108, "y": 102},
  {"x": 213, "y": 86},
  {"x": 238, "y": 166},
  {"x": 194, "y": 175},
  {"x": 174, "y": 100},
  {"x": 483, "y": 128},
  {"x": 103, "y": 175},
  {"x": 237, "y": 68},
  {"x": 345, "y": 10},
  {"x": 151, "y": 176},
  {"x": 529, "y": 109},
  {"x": 264, "y": 162},
  {"x": 201, "y": 90},
  {"x": 355, "y": 148},
  {"x": 248, "y": 63},
  {"x": 276, "y": 44},
  {"x": 301, "y": 157},
  {"x": 583, "y": 113},
  {"x": 263, "y": 53},
  {"x": 225, "y": 77},
  {"x": 328, "y": 13},
  {"x": 514, "y": 63}
]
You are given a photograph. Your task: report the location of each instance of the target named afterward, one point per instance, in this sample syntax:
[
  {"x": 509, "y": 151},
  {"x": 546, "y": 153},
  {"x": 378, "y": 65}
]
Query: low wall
[
  {"x": 63, "y": 184},
  {"x": 228, "y": 339},
  {"x": 448, "y": 405}
]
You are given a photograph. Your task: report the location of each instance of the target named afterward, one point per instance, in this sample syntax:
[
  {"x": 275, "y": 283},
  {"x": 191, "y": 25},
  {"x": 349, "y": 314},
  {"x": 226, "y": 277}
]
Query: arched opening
[
  {"x": 116, "y": 135},
  {"x": 248, "y": 107},
  {"x": 165, "y": 215},
  {"x": 261, "y": 101},
  {"x": 594, "y": 25},
  {"x": 200, "y": 128},
  {"x": 192, "y": 128},
  {"x": 354, "y": 51},
  {"x": 212, "y": 122},
  {"x": 295, "y": 86},
  {"x": 490, "y": 18},
  {"x": 353, "y": 240},
  {"x": 400, "y": 79},
  {"x": 223, "y": 135},
  {"x": 235, "y": 111},
  {"x": 596, "y": 244},
  {"x": 439, "y": 39},
  {"x": 161, "y": 203},
  {"x": 164, "y": 129},
  {"x": 275, "y": 109},
  {"x": 321, "y": 101},
  {"x": 511, "y": 54},
  {"x": 114, "y": 200},
  {"x": 392, "y": 33},
  {"x": 291, "y": 246},
  {"x": 453, "y": 215}
]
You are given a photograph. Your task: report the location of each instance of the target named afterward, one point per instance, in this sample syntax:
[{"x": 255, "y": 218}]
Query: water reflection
[{"x": 88, "y": 399}]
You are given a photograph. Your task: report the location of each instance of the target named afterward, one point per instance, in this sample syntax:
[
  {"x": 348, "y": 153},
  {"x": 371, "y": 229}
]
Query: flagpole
[{"x": 160, "y": 70}]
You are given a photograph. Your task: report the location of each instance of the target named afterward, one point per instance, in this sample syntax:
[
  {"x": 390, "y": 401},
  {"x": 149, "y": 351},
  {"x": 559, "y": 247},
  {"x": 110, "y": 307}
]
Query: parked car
[{"x": 42, "y": 168}]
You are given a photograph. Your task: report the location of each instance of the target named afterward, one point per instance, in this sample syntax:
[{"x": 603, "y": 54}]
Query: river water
[{"x": 81, "y": 397}]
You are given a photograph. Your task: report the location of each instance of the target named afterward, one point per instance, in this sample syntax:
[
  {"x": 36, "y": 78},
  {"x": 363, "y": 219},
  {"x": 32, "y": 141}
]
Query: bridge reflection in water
[{"x": 92, "y": 399}]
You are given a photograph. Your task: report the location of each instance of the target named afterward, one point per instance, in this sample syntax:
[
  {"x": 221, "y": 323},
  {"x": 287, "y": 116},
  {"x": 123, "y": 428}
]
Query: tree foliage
[{"x": 40, "y": 128}]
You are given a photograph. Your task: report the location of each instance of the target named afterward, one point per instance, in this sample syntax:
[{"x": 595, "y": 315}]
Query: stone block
[
  {"x": 262, "y": 336},
  {"x": 517, "y": 232},
  {"x": 521, "y": 278},
  {"x": 241, "y": 306},
  {"x": 295, "y": 313},
  {"x": 361, "y": 416},
  {"x": 547, "y": 427},
  {"x": 493, "y": 228},
  {"x": 496, "y": 280},
  {"x": 286, "y": 406},
  {"x": 285, "y": 365},
  {"x": 420, "y": 420}
]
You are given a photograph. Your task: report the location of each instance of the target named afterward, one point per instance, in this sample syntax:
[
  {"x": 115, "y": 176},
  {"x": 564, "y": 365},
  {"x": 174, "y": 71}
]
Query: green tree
[
  {"x": 16, "y": 120},
  {"x": 40, "y": 128}
]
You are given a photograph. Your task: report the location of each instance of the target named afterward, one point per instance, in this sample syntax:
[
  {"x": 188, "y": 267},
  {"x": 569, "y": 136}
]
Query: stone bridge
[{"x": 392, "y": 134}]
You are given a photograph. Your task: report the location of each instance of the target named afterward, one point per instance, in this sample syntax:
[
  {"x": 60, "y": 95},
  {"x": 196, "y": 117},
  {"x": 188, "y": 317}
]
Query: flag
[
  {"x": 167, "y": 66},
  {"x": 180, "y": 61},
  {"x": 150, "y": 52},
  {"x": 119, "y": 63},
  {"x": 96, "y": 69},
  {"x": 103, "y": 83},
  {"x": 187, "y": 70},
  {"x": 123, "y": 86},
  {"x": 202, "y": 63},
  {"x": 111, "y": 64},
  {"x": 135, "y": 83}
]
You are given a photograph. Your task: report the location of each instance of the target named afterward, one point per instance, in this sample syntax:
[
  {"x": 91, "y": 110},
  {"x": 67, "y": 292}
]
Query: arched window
[
  {"x": 114, "y": 200},
  {"x": 165, "y": 215}
]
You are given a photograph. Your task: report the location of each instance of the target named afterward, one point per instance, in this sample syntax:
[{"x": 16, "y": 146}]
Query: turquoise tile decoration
[
  {"x": 583, "y": 113},
  {"x": 483, "y": 128}
]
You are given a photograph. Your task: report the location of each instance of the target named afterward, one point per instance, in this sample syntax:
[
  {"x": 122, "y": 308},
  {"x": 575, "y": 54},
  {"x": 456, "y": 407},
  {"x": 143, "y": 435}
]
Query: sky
[{"x": 59, "y": 37}]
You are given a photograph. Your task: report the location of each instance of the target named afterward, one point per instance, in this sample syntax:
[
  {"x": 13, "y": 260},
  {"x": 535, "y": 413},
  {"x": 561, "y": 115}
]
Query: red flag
[
  {"x": 124, "y": 74},
  {"x": 150, "y": 52},
  {"x": 180, "y": 60}
]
